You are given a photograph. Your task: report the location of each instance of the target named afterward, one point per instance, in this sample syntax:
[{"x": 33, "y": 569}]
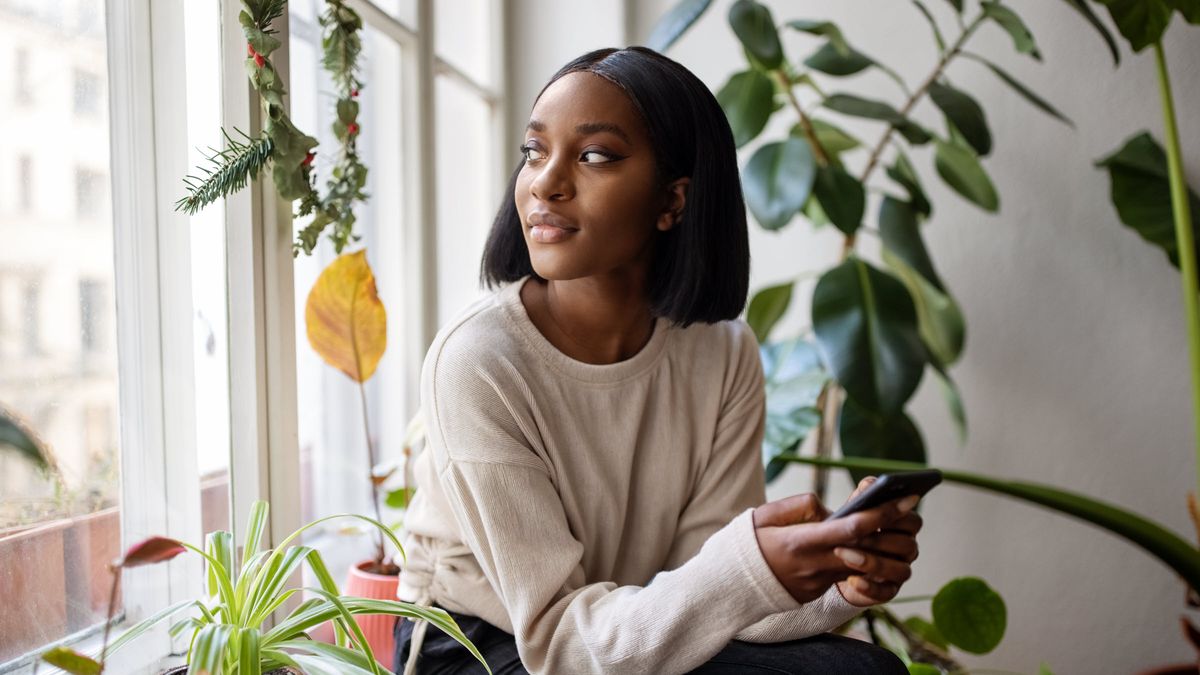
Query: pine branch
[{"x": 233, "y": 167}]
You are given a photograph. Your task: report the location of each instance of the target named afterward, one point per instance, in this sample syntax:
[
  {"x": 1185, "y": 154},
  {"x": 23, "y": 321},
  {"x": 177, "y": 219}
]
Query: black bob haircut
[{"x": 700, "y": 268}]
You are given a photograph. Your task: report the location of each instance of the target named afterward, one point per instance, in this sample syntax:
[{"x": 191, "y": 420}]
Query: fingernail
[
  {"x": 850, "y": 555},
  {"x": 908, "y": 503}
]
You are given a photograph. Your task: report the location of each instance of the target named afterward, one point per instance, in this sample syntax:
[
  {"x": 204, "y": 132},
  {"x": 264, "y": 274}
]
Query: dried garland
[{"x": 286, "y": 150}]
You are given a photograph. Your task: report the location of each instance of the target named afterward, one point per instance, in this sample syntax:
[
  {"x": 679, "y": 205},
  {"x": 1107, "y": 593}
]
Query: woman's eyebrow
[{"x": 588, "y": 128}]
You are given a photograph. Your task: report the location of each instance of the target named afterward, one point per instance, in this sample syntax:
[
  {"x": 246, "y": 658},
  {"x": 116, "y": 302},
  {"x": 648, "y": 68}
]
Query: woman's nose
[{"x": 553, "y": 182}]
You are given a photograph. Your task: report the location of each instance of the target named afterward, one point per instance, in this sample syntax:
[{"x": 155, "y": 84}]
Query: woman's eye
[
  {"x": 530, "y": 153},
  {"x": 604, "y": 157}
]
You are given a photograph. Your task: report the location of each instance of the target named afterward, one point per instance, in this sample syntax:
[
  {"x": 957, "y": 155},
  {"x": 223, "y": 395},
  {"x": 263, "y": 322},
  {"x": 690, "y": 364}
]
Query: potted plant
[{"x": 228, "y": 629}]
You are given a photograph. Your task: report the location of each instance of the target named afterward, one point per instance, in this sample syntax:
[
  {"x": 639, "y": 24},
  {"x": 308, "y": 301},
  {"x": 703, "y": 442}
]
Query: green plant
[
  {"x": 281, "y": 147},
  {"x": 228, "y": 627}
]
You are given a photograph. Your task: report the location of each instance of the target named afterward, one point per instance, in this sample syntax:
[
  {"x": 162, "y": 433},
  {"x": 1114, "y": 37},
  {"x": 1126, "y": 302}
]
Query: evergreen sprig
[{"x": 234, "y": 166}]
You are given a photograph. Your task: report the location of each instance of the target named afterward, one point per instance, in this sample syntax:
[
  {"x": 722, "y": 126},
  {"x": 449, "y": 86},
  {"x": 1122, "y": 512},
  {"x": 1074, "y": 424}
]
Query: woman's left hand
[{"x": 882, "y": 560}]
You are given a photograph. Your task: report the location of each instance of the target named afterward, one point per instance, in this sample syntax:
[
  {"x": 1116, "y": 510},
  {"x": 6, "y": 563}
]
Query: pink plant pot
[{"x": 376, "y": 627}]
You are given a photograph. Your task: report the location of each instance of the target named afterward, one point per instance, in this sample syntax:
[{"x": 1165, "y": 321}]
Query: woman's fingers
[
  {"x": 910, "y": 522},
  {"x": 876, "y": 567},
  {"x": 791, "y": 510},
  {"x": 898, "y": 545},
  {"x": 849, "y": 528},
  {"x": 879, "y": 592}
]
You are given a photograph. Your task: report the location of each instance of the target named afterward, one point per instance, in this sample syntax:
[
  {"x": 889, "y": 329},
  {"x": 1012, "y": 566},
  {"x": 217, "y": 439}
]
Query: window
[
  {"x": 22, "y": 91},
  {"x": 92, "y": 312},
  {"x": 31, "y": 318},
  {"x": 25, "y": 183},
  {"x": 89, "y": 193},
  {"x": 87, "y": 93}
]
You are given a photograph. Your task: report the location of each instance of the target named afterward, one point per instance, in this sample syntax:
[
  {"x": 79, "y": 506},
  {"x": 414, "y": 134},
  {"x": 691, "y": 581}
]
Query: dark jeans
[{"x": 825, "y": 653}]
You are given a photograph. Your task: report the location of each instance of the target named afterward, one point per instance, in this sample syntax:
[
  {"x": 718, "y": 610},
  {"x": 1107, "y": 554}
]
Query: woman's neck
[{"x": 591, "y": 320}]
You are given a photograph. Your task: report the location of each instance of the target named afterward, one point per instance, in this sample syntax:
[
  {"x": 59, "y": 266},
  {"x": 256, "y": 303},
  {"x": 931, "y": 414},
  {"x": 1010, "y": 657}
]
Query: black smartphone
[{"x": 891, "y": 486}]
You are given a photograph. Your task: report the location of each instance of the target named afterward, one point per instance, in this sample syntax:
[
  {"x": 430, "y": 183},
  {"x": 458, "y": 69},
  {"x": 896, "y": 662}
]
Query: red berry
[
  {"x": 352, "y": 128},
  {"x": 250, "y": 49},
  {"x": 259, "y": 60},
  {"x": 354, "y": 92},
  {"x": 308, "y": 159}
]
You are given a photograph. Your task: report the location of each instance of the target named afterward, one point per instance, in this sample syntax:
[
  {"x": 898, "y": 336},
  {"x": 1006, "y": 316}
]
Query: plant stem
[
  {"x": 362, "y": 393},
  {"x": 1184, "y": 238},
  {"x": 805, "y": 122},
  {"x": 112, "y": 604},
  {"x": 920, "y": 649}
]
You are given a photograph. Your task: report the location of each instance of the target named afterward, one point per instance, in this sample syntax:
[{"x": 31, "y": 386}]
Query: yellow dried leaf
[{"x": 347, "y": 324}]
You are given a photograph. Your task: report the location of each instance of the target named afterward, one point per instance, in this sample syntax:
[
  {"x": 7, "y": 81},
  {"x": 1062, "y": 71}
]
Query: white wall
[{"x": 1075, "y": 371}]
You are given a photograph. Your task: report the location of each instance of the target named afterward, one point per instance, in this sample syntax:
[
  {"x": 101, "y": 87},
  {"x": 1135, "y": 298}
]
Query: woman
[{"x": 587, "y": 498}]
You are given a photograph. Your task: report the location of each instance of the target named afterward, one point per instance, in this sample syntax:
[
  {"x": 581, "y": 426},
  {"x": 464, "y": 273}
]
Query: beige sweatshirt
[{"x": 600, "y": 513}]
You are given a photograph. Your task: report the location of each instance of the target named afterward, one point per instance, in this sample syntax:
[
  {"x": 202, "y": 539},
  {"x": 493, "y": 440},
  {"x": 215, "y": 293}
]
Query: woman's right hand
[{"x": 797, "y": 542}]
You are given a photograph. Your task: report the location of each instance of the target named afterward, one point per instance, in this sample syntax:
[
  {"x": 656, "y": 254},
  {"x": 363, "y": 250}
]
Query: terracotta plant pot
[{"x": 376, "y": 627}]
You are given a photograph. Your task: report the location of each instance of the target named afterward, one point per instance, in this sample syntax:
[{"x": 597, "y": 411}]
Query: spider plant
[{"x": 229, "y": 629}]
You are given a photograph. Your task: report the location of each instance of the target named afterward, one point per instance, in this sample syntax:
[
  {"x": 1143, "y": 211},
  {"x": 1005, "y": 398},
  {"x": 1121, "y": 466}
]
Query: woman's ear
[{"x": 676, "y": 199}]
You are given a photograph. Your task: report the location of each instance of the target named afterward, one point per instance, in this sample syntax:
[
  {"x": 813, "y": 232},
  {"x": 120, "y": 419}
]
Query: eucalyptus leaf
[
  {"x": 832, "y": 61},
  {"x": 960, "y": 168},
  {"x": 747, "y": 99},
  {"x": 970, "y": 615},
  {"x": 777, "y": 180},
  {"x": 1021, "y": 89},
  {"x": 1009, "y": 21},
  {"x": 753, "y": 25},
  {"x": 675, "y": 23},
  {"x": 965, "y": 114},
  {"x": 1142, "y": 22},
  {"x": 863, "y": 433},
  {"x": 1141, "y": 191},
  {"x": 902, "y": 172},
  {"x": 841, "y": 197},
  {"x": 866, "y": 326},
  {"x": 767, "y": 307}
]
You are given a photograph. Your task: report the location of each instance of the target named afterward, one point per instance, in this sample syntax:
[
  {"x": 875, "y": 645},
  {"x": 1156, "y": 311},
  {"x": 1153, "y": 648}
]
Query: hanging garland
[{"x": 281, "y": 147}]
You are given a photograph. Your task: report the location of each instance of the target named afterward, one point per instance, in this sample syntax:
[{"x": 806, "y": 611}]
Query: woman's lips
[
  {"x": 549, "y": 234},
  {"x": 547, "y": 227}
]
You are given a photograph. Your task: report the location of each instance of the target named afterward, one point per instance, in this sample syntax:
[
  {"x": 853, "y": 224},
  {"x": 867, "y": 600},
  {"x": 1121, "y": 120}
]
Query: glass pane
[
  {"x": 210, "y": 351},
  {"x": 464, "y": 36},
  {"x": 334, "y": 461},
  {"x": 466, "y": 194},
  {"x": 58, "y": 355}
]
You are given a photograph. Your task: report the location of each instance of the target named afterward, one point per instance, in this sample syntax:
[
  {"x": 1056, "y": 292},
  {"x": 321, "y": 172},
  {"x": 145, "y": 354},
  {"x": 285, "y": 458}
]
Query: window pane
[
  {"x": 211, "y": 335},
  {"x": 464, "y": 36},
  {"x": 466, "y": 200},
  {"x": 334, "y": 460},
  {"x": 58, "y": 357}
]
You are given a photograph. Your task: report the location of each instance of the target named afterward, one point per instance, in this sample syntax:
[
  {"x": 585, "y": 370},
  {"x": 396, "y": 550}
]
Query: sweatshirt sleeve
[
  {"x": 510, "y": 515},
  {"x": 733, "y": 481}
]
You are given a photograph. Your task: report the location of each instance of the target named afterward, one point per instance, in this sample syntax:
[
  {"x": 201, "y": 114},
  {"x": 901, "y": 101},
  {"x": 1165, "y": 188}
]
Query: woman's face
[{"x": 587, "y": 196}]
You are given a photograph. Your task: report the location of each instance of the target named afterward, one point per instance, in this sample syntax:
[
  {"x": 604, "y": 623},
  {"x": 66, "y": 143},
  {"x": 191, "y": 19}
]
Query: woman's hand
[
  {"x": 883, "y": 559},
  {"x": 799, "y": 545}
]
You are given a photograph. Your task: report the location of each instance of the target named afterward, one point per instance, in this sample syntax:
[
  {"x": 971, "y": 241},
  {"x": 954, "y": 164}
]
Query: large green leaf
[
  {"x": 207, "y": 654},
  {"x": 766, "y": 308},
  {"x": 753, "y": 25},
  {"x": 900, "y": 233},
  {"x": 856, "y": 106},
  {"x": 970, "y": 615},
  {"x": 965, "y": 114},
  {"x": 927, "y": 631},
  {"x": 831, "y": 137},
  {"x": 832, "y": 61},
  {"x": 1142, "y": 193},
  {"x": 794, "y": 379},
  {"x": 71, "y": 661},
  {"x": 960, "y": 168},
  {"x": 1142, "y": 22},
  {"x": 675, "y": 23},
  {"x": 777, "y": 180},
  {"x": 1189, "y": 9},
  {"x": 1009, "y": 21},
  {"x": 902, "y": 172},
  {"x": 866, "y": 326},
  {"x": 14, "y": 435},
  {"x": 939, "y": 319},
  {"x": 863, "y": 433},
  {"x": 953, "y": 398},
  {"x": 841, "y": 196},
  {"x": 1083, "y": 8},
  {"x": 825, "y": 28},
  {"x": 1021, "y": 89},
  {"x": 1152, "y": 537},
  {"x": 748, "y": 99}
]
